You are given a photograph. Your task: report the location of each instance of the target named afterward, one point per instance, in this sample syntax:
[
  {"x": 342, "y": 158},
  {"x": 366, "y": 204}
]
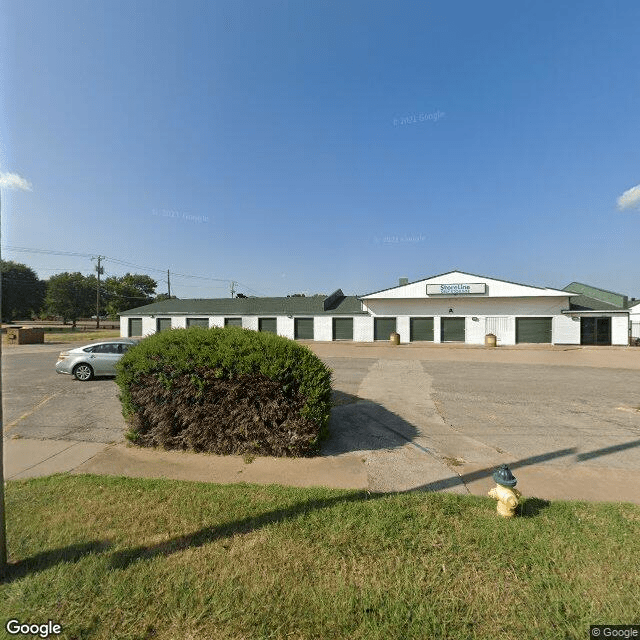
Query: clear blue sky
[{"x": 274, "y": 143}]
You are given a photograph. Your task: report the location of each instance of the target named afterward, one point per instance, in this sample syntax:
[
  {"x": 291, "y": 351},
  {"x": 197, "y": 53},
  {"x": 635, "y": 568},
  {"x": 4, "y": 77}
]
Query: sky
[{"x": 308, "y": 146}]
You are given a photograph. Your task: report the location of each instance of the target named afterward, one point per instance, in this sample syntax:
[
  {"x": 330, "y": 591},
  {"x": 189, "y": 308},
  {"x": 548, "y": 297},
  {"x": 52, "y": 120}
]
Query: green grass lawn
[
  {"x": 118, "y": 558},
  {"x": 79, "y": 335}
]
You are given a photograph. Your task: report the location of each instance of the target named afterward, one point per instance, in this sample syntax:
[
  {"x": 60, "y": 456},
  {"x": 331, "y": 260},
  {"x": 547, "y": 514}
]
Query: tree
[
  {"x": 164, "y": 296},
  {"x": 127, "y": 292},
  {"x": 23, "y": 292},
  {"x": 71, "y": 295}
]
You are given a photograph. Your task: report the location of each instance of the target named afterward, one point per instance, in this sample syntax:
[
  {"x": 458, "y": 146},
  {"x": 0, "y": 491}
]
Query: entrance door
[
  {"x": 452, "y": 329},
  {"x": 595, "y": 331}
]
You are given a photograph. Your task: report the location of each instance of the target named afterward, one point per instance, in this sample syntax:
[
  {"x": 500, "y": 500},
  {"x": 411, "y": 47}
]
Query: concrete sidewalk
[
  {"x": 25, "y": 458},
  {"x": 29, "y": 458}
]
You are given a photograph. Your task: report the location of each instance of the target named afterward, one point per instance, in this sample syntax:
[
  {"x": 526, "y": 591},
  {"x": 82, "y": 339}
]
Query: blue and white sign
[{"x": 456, "y": 289}]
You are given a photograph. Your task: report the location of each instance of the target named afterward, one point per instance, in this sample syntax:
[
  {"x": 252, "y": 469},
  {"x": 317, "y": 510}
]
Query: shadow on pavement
[
  {"x": 457, "y": 480},
  {"x": 581, "y": 457},
  {"x": 364, "y": 425},
  {"x": 454, "y": 481}
]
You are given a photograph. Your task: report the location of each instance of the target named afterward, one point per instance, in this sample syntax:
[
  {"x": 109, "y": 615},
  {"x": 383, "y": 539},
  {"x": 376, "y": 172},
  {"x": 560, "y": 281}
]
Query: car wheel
[{"x": 83, "y": 372}]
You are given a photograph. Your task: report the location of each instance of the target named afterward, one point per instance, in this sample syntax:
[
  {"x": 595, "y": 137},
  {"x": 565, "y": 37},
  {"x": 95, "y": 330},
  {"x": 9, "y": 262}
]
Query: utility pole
[
  {"x": 11, "y": 181},
  {"x": 99, "y": 269},
  {"x": 3, "y": 527},
  {"x": 168, "y": 284},
  {"x": 233, "y": 288}
]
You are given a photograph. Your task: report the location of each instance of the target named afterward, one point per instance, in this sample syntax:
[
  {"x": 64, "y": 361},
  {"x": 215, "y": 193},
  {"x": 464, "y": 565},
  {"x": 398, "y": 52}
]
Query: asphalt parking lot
[
  {"x": 397, "y": 410},
  {"x": 40, "y": 403}
]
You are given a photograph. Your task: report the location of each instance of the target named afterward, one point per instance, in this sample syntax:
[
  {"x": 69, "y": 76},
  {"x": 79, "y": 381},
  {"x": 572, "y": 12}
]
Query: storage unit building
[
  {"x": 453, "y": 307},
  {"x": 334, "y": 317},
  {"x": 464, "y": 307}
]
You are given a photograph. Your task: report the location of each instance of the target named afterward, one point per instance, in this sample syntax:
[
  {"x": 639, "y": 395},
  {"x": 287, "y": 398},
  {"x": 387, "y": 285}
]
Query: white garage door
[{"x": 499, "y": 326}]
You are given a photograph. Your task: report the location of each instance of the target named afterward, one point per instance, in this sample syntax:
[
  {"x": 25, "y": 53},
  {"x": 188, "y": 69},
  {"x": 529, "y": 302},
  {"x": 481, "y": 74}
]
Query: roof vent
[
  {"x": 332, "y": 301},
  {"x": 403, "y": 281}
]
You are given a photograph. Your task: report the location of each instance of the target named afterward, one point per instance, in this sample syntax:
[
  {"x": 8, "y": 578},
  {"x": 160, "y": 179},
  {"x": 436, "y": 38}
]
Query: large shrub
[{"x": 225, "y": 391}]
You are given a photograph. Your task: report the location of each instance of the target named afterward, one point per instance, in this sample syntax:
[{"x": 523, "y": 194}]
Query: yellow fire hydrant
[{"x": 504, "y": 493}]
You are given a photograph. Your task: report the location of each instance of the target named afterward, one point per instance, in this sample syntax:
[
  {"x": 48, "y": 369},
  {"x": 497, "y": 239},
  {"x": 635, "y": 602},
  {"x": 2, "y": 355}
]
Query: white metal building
[
  {"x": 634, "y": 319},
  {"x": 451, "y": 307}
]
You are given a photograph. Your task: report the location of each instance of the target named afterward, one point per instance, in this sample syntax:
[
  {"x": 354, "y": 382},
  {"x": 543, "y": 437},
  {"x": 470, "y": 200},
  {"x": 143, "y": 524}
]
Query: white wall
[
  {"x": 179, "y": 322},
  {"x": 403, "y": 327},
  {"x": 148, "y": 326},
  {"x": 469, "y": 306},
  {"x": 566, "y": 330},
  {"x": 285, "y": 327},
  {"x": 362, "y": 329},
  {"x": 323, "y": 328},
  {"x": 494, "y": 288},
  {"x": 250, "y": 322},
  {"x": 620, "y": 330}
]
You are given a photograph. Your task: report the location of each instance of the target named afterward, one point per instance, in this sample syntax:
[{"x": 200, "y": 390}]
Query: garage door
[
  {"x": 233, "y": 322},
  {"x": 343, "y": 328},
  {"x": 421, "y": 329},
  {"x": 533, "y": 330},
  {"x": 452, "y": 329},
  {"x": 135, "y": 326},
  {"x": 303, "y": 328},
  {"x": 270, "y": 325},
  {"x": 198, "y": 322},
  {"x": 163, "y": 323},
  {"x": 383, "y": 328}
]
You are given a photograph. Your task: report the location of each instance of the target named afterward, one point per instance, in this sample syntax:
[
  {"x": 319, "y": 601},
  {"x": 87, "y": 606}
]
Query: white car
[{"x": 98, "y": 359}]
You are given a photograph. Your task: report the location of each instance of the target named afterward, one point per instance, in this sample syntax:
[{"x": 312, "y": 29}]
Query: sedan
[{"x": 97, "y": 359}]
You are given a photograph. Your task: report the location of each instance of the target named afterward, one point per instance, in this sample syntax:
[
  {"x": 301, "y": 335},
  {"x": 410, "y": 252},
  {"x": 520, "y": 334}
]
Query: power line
[{"x": 121, "y": 262}]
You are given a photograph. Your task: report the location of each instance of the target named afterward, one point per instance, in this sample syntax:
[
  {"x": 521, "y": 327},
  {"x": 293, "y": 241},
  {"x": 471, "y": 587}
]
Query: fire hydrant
[{"x": 504, "y": 492}]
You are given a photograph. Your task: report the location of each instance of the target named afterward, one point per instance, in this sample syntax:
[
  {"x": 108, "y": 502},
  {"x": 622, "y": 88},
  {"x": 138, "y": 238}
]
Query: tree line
[{"x": 71, "y": 296}]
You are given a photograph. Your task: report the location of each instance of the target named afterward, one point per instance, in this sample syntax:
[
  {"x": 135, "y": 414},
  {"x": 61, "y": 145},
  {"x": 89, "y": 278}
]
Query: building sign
[{"x": 456, "y": 289}]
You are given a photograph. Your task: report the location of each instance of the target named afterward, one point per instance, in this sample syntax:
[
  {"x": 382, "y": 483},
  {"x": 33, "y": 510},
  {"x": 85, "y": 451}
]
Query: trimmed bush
[{"x": 225, "y": 391}]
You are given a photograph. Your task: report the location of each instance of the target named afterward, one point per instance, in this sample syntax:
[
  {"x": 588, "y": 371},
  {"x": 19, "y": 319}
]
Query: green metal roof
[
  {"x": 584, "y": 303},
  {"x": 312, "y": 306},
  {"x": 601, "y": 296}
]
